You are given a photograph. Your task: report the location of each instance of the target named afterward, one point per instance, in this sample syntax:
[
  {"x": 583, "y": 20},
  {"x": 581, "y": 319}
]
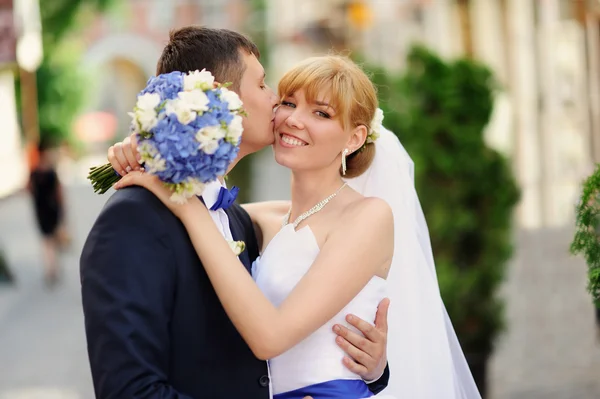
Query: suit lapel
[{"x": 237, "y": 232}]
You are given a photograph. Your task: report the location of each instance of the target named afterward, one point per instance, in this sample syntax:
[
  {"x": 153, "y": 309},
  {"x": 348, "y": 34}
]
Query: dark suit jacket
[{"x": 155, "y": 327}]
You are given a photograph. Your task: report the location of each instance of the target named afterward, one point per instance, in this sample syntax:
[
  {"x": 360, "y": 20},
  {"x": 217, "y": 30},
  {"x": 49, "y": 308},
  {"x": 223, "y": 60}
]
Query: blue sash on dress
[{"x": 336, "y": 389}]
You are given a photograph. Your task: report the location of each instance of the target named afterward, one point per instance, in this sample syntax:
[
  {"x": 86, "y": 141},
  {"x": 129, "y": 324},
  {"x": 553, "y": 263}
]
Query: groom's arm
[
  {"x": 128, "y": 282},
  {"x": 382, "y": 382}
]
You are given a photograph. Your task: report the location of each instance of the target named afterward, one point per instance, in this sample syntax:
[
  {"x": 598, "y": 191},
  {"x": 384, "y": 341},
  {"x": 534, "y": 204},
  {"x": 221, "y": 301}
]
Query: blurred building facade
[
  {"x": 543, "y": 52},
  {"x": 122, "y": 49},
  {"x": 20, "y": 55}
]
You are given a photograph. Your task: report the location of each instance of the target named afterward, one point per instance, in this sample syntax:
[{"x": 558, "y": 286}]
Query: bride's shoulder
[{"x": 368, "y": 211}]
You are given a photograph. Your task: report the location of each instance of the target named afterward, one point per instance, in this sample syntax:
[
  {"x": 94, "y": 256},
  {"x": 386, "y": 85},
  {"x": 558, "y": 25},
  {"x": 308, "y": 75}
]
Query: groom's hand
[{"x": 368, "y": 353}]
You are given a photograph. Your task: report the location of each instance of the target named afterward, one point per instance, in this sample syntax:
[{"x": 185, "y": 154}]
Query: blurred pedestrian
[{"x": 48, "y": 201}]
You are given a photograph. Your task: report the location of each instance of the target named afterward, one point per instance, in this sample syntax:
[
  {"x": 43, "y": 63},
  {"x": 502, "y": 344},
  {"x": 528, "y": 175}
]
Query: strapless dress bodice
[{"x": 317, "y": 359}]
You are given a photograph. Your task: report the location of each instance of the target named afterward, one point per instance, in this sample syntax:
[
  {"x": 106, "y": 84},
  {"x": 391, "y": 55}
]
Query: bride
[{"x": 353, "y": 234}]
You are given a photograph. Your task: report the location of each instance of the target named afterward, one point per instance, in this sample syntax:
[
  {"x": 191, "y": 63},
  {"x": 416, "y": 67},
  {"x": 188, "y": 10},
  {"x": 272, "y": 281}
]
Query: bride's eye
[
  {"x": 288, "y": 104},
  {"x": 323, "y": 114}
]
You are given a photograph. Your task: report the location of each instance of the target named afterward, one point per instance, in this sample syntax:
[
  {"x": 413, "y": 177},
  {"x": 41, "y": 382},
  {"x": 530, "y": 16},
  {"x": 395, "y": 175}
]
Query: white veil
[{"x": 425, "y": 357}]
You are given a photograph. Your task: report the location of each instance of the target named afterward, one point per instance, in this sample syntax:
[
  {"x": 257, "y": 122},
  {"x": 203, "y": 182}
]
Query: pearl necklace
[{"x": 312, "y": 210}]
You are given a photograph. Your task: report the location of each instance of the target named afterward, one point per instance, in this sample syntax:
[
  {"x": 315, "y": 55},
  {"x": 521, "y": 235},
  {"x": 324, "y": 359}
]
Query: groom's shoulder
[
  {"x": 133, "y": 195},
  {"x": 135, "y": 203}
]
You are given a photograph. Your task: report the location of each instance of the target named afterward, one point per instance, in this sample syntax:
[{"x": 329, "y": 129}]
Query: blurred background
[{"x": 497, "y": 101}]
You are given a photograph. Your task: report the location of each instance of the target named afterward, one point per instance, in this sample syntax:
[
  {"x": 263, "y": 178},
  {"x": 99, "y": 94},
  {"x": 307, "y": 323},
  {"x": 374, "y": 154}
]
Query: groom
[{"x": 155, "y": 327}]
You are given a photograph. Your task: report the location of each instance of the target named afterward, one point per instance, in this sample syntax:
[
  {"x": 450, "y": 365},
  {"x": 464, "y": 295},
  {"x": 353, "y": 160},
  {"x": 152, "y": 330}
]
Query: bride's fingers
[
  {"x": 115, "y": 159},
  {"x": 137, "y": 178},
  {"x": 150, "y": 182},
  {"x": 128, "y": 147}
]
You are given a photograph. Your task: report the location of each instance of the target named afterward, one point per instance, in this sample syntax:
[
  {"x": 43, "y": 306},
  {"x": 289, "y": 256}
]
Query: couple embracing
[{"x": 172, "y": 312}]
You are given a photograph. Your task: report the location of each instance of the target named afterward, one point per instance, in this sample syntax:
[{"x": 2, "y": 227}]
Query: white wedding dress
[{"x": 314, "y": 366}]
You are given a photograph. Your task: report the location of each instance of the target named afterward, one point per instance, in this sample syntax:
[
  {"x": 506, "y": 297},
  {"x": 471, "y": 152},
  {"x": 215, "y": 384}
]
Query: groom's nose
[{"x": 274, "y": 97}]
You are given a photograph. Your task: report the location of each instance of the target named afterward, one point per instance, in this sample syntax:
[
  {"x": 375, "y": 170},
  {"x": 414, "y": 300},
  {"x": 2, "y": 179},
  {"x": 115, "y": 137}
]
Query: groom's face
[{"x": 259, "y": 102}]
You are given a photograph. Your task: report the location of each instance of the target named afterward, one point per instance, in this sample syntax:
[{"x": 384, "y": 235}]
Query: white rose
[
  {"x": 210, "y": 133},
  {"x": 186, "y": 190},
  {"x": 146, "y": 150},
  {"x": 196, "y": 100},
  {"x": 147, "y": 119},
  {"x": 232, "y": 99},
  {"x": 197, "y": 186},
  {"x": 237, "y": 246},
  {"x": 209, "y": 146},
  {"x": 235, "y": 129},
  {"x": 376, "y": 125},
  {"x": 134, "y": 123},
  {"x": 155, "y": 164},
  {"x": 378, "y": 118},
  {"x": 181, "y": 109},
  {"x": 148, "y": 101},
  {"x": 202, "y": 80}
]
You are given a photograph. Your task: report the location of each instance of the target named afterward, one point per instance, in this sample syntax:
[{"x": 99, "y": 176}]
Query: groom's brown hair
[{"x": 216, "y": 50}]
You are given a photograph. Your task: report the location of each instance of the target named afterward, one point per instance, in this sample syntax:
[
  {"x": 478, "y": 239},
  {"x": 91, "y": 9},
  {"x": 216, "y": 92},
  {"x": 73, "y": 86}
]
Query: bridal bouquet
[{"x": 188, "y": 132}]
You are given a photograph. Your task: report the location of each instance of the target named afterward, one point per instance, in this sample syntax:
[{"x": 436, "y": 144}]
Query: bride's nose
[{"x": 293, "y": 122}]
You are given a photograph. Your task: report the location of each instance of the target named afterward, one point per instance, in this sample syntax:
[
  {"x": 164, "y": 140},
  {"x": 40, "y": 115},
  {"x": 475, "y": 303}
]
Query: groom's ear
[{"x": 358, "y": 138}]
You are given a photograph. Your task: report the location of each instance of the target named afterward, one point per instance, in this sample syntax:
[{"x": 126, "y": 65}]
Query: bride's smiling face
[
  {"x": 308, "y": 134},
  {"x": 327, "y": 105}
]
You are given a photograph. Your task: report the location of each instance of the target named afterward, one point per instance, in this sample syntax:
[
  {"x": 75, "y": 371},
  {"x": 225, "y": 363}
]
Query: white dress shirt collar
[{"x": 211, "y": 193}]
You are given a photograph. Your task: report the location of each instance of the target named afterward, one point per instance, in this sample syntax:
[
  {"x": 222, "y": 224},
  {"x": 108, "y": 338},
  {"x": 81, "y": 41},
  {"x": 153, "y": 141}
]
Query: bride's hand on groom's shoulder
[
  {"x": 152, "y": 183},
  {"x": 367, "y": 353}
]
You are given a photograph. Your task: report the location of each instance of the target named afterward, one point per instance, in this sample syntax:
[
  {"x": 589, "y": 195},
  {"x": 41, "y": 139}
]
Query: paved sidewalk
[
  {"x": 42, "y": 342},
  {"x": 550, "y": 350}
]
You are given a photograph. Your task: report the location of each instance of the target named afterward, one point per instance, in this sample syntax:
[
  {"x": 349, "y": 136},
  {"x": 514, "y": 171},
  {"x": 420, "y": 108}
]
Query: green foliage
[
  {"x": 60, "y": 86},
  {"x": 439, "y": 111},
  {"x": 59, "y": 17},
  {"x": 60, "y": 92},
  {"x": 587, "y": 227},
  {"x": 256, "y": 27}
]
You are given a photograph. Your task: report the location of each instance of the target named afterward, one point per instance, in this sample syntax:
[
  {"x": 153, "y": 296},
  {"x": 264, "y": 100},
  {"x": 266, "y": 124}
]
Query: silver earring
[{"x": 344, "y": 155}]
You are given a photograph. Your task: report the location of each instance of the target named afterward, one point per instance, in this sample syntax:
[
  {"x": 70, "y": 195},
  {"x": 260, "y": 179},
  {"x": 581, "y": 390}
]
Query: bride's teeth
[{"x": 291, "y": 140}]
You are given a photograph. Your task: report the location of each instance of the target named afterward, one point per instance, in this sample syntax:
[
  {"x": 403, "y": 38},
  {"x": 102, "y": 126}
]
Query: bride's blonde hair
[{"x": 351, "y": 94}]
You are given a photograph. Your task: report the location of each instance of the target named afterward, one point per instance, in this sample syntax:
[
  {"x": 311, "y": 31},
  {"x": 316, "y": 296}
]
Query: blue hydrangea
[{"x": 167, "y": 85}]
